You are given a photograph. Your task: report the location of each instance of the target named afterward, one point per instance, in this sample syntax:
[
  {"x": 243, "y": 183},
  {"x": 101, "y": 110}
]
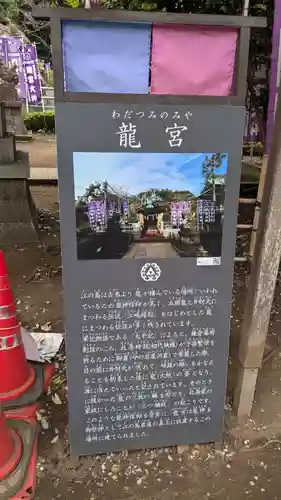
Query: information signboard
[
  {"x": 149, "y": 146},
  {"x": 147, "y": 297}
]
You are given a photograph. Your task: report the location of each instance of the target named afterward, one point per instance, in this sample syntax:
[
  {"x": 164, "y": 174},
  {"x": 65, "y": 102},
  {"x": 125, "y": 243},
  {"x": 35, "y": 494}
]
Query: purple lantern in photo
[
  {"x": 98, "y": 213},
  {"x": 126, "y": 209},
  {"x": 199, "y": 215},
  {"x": 92, "y": 213},
  {"x": 174, "y": 218},
  {"x": 209, "y": 211},
  {"x": 102, "y": 213}
]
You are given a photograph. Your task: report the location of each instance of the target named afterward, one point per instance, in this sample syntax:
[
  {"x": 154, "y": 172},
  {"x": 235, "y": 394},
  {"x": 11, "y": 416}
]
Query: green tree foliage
[
  {"x": 16, "y": 15},
  {"x": 13, "y": 8},
  {"x": 210, "y": 166},
  {"x": 18, "y": 12},
  {"x": 96, "y": 189},
  {"x": 163, "y": 196},
  {"x": 209, "y": 172},
  {"x": 8, "y": 8}
]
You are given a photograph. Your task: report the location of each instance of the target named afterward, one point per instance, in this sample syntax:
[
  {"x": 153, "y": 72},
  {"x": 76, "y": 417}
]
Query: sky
[{"x": 138, "y": 172}]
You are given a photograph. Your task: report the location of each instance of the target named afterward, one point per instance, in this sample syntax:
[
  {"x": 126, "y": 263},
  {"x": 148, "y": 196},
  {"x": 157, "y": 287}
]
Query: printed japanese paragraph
[
  {"x": 150, "y": 366},
  {"x": 149, "y": 205}
]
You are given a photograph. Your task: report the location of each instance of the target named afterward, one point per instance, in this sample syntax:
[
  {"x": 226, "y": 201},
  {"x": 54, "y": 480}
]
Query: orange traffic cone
[
  {"x": 16, "y": 375},
  {"x": 21, "y": 383},
  {"x": 18, "y": 457},
  {"x": 10, "y": 450},
  {"x": 5, "y": 289}
]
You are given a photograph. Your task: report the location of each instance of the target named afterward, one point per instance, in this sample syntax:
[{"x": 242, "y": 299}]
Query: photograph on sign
[{"x": 149, "y": 205}]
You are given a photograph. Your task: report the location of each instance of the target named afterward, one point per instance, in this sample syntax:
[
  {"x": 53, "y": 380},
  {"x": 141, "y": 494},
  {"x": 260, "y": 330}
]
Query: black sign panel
[{"x": 148, "y": 221}]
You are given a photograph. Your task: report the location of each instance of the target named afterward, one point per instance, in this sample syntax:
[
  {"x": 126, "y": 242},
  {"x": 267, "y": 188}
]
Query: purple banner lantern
[
  {"x": 34, "y": 93},
  {"x": 209, "y": 211},
  {"x": 98, "y": 213},
  {"x": 101, "y": 212},
  {"x": 92, "y": 213},
  {"x": 199, "y": 215},
  {"x": 205, "y": 213},
  {"x": 179, "y": 211},
  {"x": 15, "y": 57},
  {"x": 126, "y": 209},
  {"x": 174, "y": 215}
]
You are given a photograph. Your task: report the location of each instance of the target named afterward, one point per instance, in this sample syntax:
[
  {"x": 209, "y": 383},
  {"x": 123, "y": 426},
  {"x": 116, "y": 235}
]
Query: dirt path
[
  {"x": 42, "y": 151},
  {"x": 200, "y": 473},
  {"x": 151, "y": 251}
]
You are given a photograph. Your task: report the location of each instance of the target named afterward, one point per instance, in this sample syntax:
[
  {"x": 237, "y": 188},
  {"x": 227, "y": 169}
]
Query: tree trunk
[{"x": 254, "y": 102}]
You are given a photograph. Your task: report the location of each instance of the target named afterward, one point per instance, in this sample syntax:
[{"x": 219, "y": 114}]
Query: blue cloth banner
[{"x": 109, "y": 57}]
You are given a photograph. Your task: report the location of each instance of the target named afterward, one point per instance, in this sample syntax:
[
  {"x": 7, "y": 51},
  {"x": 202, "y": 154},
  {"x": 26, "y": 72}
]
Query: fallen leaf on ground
[
  {"x": 56, "y": 399},
  {"x": 44, "y": 422}
]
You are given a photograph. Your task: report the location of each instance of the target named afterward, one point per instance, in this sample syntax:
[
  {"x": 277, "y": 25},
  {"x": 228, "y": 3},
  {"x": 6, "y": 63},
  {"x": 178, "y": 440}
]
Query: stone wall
[{"x": 17, "y": 212}]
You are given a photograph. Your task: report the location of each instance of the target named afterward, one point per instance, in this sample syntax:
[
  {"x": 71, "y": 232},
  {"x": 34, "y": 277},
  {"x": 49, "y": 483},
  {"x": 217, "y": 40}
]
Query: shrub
[{"x": 40, "y": 120}]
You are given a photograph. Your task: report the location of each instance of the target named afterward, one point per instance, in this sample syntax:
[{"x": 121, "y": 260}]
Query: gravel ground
[{"x": 241, "y": 468}]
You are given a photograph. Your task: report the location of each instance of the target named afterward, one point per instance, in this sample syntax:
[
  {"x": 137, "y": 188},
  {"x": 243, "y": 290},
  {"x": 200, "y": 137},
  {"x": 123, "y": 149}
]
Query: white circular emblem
[
  {"x": 150, "y": 272},
  {"x": 13, "y": 46}
]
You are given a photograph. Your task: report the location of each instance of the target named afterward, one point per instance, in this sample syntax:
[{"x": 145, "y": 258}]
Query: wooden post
[
  {"x": 258, "y": 207},
  {"x": 3, "y": 130},
  {"x": 262, "y": 280}
]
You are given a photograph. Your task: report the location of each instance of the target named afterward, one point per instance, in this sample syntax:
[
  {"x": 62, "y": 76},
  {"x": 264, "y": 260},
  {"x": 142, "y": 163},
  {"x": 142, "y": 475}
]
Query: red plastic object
[
  {"x": 18, "y": 378},
  {"x": 10, "y": 449},
  {"x": 29, "y": 412},
  {"x": 6, "y": 294},
  {"x": 28, "y": 490},
  {"x": 16, "y": 375},
  {"x": 15, "y": 447}
]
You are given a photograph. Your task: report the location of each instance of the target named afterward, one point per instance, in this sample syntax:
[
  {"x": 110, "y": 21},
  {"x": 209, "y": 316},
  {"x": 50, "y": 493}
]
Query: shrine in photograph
[
  {"x": 153, "y": 222},
  {"x": 150, "y": 115}
]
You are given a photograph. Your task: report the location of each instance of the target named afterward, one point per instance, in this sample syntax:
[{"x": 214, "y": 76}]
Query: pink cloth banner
[{"x": 193, "y": 60}]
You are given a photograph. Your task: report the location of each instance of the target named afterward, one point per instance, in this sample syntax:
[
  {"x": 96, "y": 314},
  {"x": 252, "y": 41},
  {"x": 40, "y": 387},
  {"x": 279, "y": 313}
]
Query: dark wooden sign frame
[
  {"x": 109, "y": 276},
  {"x": 244, "y": 24}
]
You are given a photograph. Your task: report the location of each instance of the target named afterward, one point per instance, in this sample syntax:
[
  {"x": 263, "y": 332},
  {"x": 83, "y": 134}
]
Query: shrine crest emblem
[{"x": 150, "y": 271}]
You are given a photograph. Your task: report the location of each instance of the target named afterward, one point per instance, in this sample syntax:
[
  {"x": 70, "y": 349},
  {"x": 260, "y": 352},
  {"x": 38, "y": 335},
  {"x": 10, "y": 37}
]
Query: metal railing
[{"x": 47, "y": 102}]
